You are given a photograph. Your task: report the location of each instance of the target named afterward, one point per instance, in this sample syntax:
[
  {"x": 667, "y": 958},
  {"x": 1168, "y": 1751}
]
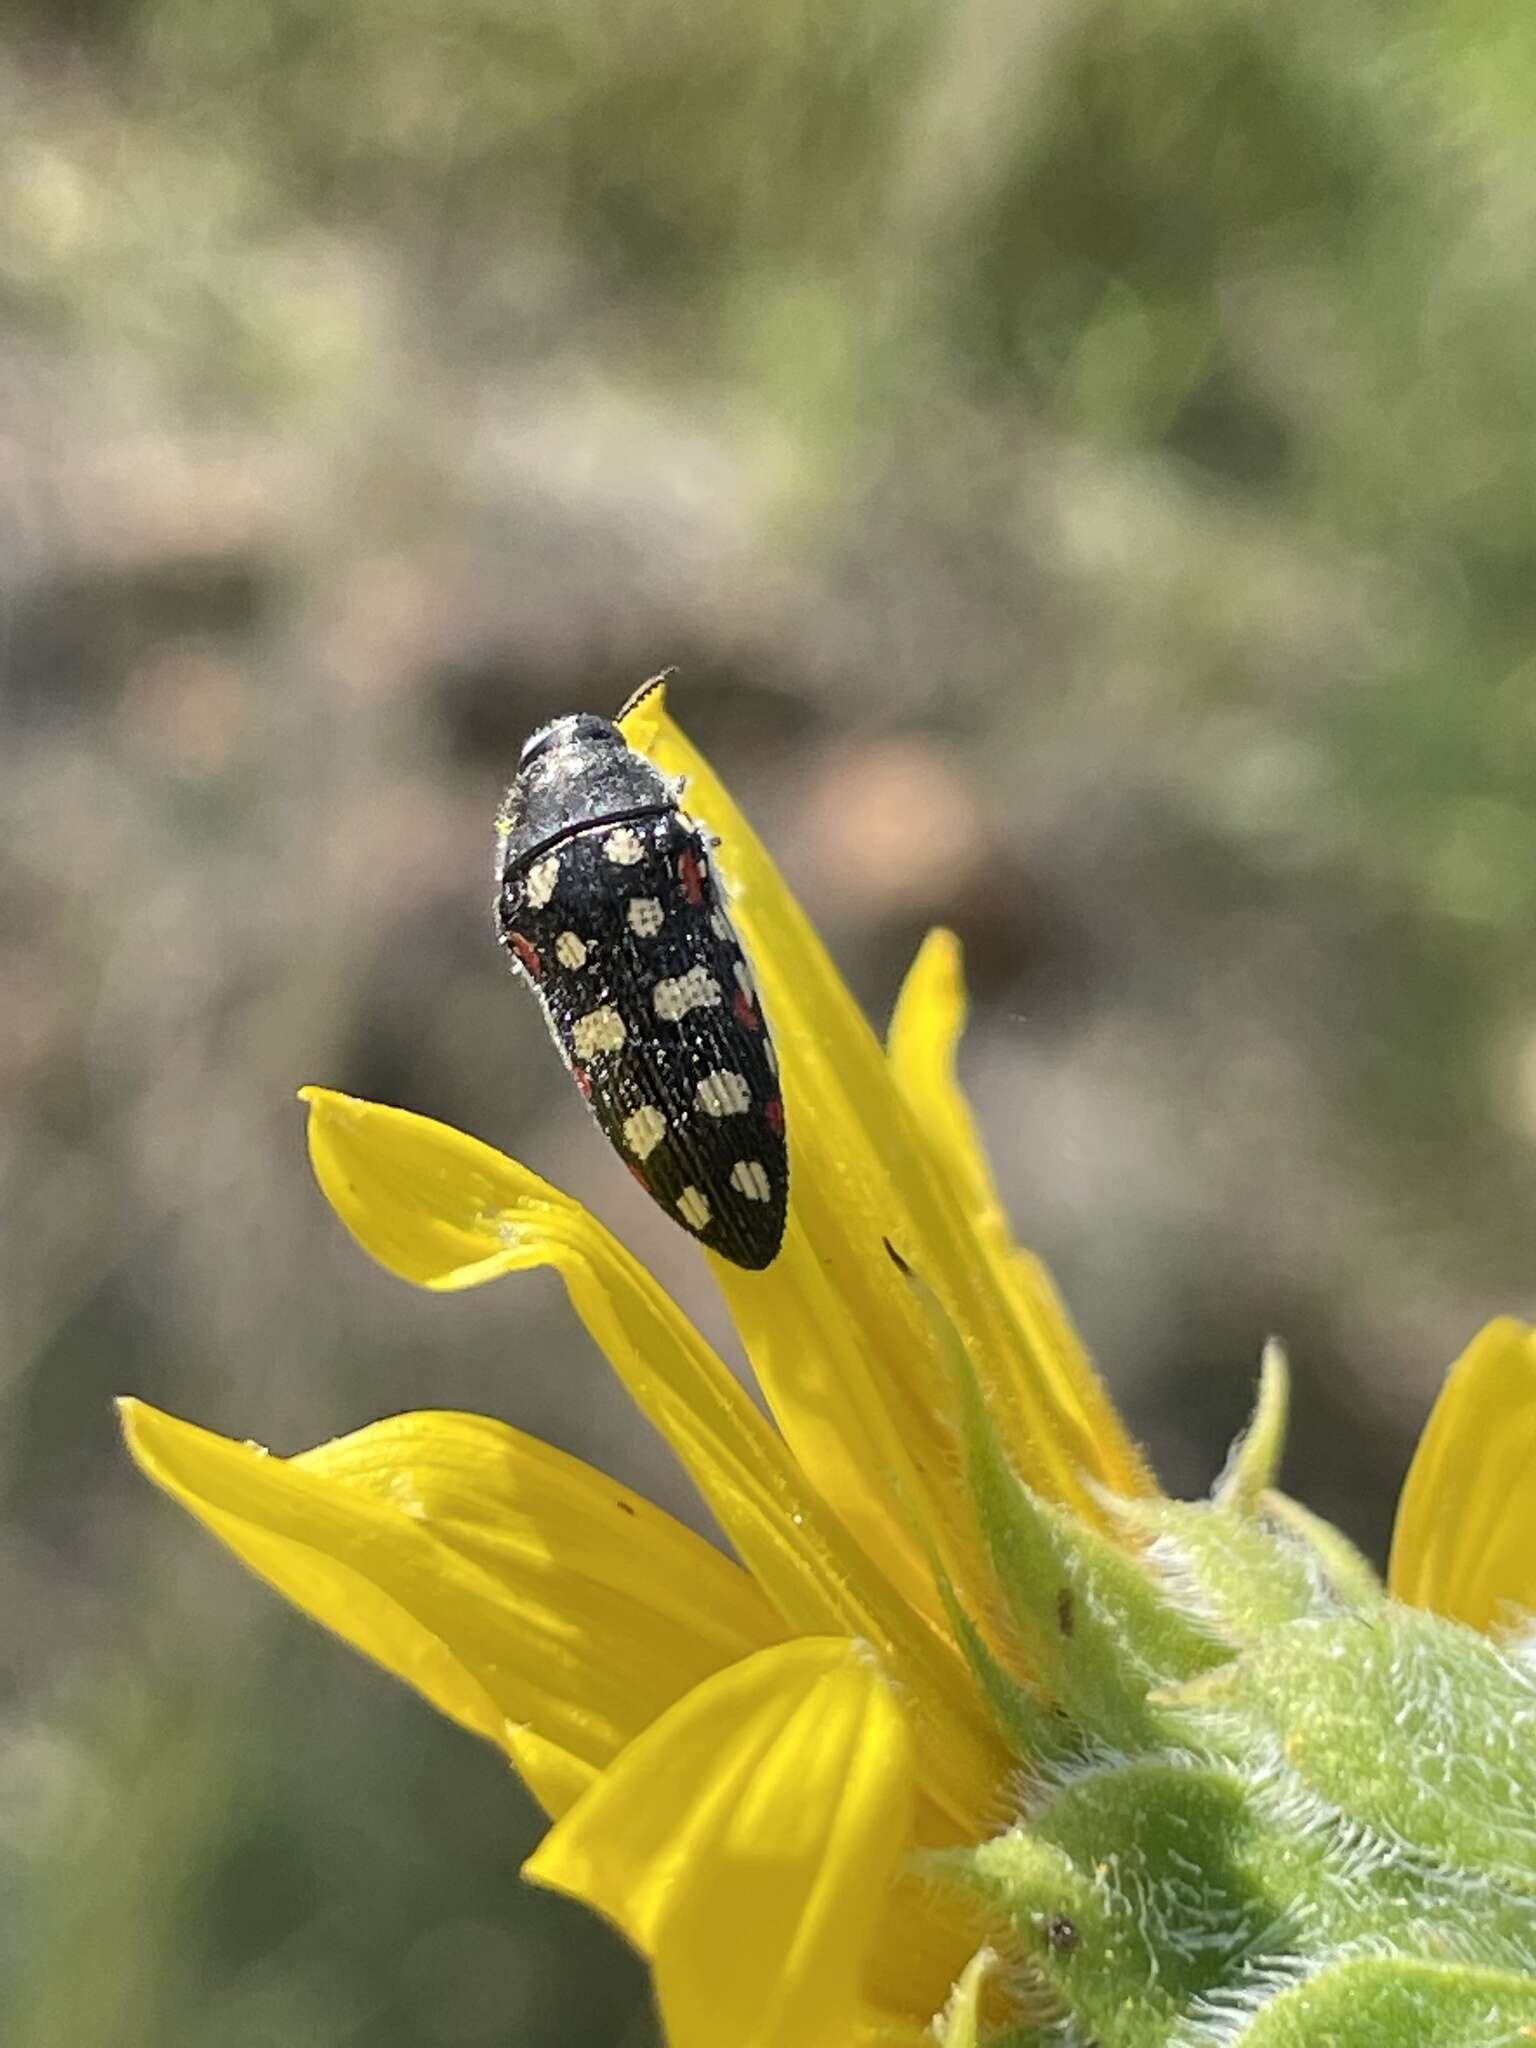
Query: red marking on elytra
[
  {"x": 583, "y": 1081},
  {"x": 526, "y": 953},
  {"x": 691, "y": 875},
  {"x": 639, "y": 1176},
  {"x": 773, "y": 1115},
  {"x": 744, "y": 1013}
]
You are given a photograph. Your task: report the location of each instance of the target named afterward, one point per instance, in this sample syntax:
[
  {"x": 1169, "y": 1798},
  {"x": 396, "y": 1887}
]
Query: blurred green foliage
[{"x": 1126, "y": 406}]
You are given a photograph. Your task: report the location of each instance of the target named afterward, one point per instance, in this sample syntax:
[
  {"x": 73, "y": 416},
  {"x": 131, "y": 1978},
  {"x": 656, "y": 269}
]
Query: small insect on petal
[{"x": 608, "y": 901}]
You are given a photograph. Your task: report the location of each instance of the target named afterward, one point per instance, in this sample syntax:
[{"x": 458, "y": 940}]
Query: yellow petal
[
  {"x": 927, "y": 1935},
  {"x": 517, "y": 1588},
  {"x": 961, "y": 2026},
  {"x": 829, "y": 1329},
  {"x": 1465, "y": 1540},
  {"x": 926, "y": 1027},
  {"x": 446, "y": 1211},
  {"x": 1046, "y": 1389},
  {"x": 746, "y": 1844},
  {"x": 554, "y": 1777},
  {"x": 846, "y": 1362}
]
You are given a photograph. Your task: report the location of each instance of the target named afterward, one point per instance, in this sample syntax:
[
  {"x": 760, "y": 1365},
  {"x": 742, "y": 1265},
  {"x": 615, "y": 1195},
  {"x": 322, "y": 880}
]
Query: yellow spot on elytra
[
  {"x": 723, "y": 1093},
  {"x": 751, "y": 1177},
  {"x": 599, "y": 1031},
  {"x": 644, "y": 1131}
]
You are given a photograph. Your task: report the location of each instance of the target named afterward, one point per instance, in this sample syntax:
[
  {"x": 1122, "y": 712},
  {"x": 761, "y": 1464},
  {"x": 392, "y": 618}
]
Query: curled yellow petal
[
  {"x": 961, "y": 2024},
  {"x": 1465, "y": 1540},
  {"x": 517, "y": 1588},
  {"x": 746, "y": 1843},
  {"x": 444, "y": 1210},
  {"x": 1044, "y": 1387}
]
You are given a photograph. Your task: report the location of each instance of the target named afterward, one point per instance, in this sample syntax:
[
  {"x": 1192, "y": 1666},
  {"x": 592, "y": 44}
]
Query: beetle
[{"x": 610, "y": 908}]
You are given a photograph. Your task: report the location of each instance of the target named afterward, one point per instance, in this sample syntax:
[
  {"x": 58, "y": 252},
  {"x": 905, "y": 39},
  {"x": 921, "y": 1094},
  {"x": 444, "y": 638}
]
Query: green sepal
[
  {"x": 1270, "y": 1808},
  {"x": 1241, "y": 1563},
  {"x": 1091, "y": 1624},
  {"x": 1347, "y": 1574},
  {"x": 1239, "y": 1576},
  {"x": 1254, "y": 1463},
  {"x": 1153, "y": 1890},
  {"x": 1037, "y": 1733},
  {"x": 1356, "y": 1784},
  {"x": 1090, "y": 1620},
  {"x": 1385, "y": 2002},
  {"x": 1414, "y": 1726},
  {"x": 1124, "y": 1856}
]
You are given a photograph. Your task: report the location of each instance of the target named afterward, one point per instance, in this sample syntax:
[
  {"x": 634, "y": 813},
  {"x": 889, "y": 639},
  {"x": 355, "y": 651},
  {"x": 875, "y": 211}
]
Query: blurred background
[{"x": 1081, "y": 455}]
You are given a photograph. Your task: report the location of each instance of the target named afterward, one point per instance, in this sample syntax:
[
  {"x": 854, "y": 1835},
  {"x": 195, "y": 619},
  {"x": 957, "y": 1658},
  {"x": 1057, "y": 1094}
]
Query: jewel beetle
[{"x": 609, "y": 907}]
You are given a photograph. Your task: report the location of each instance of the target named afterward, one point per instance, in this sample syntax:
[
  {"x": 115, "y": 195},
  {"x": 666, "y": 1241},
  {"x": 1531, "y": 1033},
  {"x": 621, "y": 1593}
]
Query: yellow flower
[{"x": 739, "y": 1757}]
